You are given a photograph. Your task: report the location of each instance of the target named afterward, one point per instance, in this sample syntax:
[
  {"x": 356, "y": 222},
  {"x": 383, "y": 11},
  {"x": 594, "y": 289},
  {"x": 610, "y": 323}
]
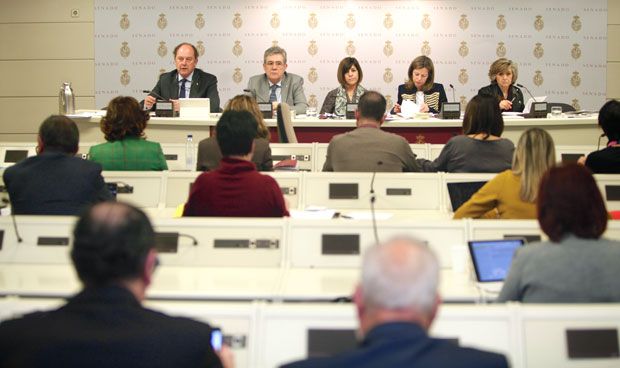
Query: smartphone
[{"x": 216, "y": 338}]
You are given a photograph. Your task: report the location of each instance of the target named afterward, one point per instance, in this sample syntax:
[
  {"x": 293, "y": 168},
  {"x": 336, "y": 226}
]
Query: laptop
[
  {"x": 491, "y": 260},
  {"x": 194, "y": 108},
  {"x": 461, "y": 192}
]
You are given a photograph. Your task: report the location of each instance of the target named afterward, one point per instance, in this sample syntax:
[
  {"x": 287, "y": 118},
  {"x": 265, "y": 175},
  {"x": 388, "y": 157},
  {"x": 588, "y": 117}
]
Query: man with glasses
[{"x": 276, "y": 85}]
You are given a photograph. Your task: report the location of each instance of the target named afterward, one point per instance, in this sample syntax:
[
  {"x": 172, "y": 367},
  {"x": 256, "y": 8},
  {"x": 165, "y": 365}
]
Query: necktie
[
  {"x": 273, "y": 97},
  {"x": 182, "y": 88}
]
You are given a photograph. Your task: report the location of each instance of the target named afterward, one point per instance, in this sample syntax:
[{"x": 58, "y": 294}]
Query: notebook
[
  {"x": 492, "y": 259},
  {"x": 461, "y": 192}
]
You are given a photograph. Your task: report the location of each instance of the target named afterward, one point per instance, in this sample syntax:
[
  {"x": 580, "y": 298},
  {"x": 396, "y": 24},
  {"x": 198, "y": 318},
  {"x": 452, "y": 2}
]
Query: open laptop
[
  {"x": 491, "y": 260},
  {"x": 194, "y": 108},
  {"x": 461, "y": 192}
]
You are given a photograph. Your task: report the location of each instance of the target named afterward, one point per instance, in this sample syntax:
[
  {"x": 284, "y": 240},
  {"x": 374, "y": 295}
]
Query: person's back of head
[
  {"x": 609, "y": 120},
  {"x": 482, "y": 115},
  {"x": 235, "y": 133},
  {"x": 534, "y": 155},
  {"x": 124, "y": 118},
  {"x": 59, "y": 133},
  {"x": 371, "y": 106},
  {"x": 248, "y": 103},
  {"x": 569, "y": 202},
  {"x": 111, "y": 244},
  {"x": 401, "y": 275}
]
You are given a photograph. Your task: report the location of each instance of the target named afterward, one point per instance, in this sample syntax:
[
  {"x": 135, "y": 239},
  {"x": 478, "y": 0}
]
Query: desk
[{"x": 565, "y": 131}]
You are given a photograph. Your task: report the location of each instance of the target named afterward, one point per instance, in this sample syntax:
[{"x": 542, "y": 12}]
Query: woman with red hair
[{"x": 576, "y": 265}]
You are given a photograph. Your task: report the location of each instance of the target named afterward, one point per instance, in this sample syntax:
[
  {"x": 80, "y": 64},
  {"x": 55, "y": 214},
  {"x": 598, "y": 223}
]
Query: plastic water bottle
[
  {"x": 190, "y": 155},
  {"x": 66, "y": 100}
]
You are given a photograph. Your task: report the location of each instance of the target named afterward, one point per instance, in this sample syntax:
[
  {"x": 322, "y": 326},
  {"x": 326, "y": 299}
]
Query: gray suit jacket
[
  {"x": 204, "y": 85},
  {"x": 292, "y": 90},
  {"x": 369, "y": 149},
  {"x": 209, "y": 155}
]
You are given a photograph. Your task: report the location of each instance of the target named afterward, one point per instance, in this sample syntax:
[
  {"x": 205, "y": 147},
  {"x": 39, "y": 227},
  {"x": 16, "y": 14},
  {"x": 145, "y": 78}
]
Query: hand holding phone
[{"x": 216, "y": 338}]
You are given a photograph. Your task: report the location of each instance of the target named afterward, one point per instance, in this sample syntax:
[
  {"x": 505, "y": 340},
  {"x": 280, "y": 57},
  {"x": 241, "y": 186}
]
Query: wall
[{"x": 41, "y": 46}]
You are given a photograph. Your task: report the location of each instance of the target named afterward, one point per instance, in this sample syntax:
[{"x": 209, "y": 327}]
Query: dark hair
[
  {"x": 372, "y": 105},
  {"x": 111, "y": 242},
  {"x": 235, "y": 132},
  {"x": 419, "y": 63},
  {"x": 482, "y": 115},
  {"x": 569, "y": 202},
  {"x": 609, "y": 120},
  {"x": 59, "y": 133},
  {"x": 124, "y": 117},
  {"x": 176, "y": 49},
  {"x": 343, "y": 68}
]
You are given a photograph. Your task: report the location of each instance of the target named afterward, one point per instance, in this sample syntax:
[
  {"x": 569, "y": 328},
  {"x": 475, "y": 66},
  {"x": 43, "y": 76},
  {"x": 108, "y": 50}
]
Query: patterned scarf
[{"x": 342, "y": 99}]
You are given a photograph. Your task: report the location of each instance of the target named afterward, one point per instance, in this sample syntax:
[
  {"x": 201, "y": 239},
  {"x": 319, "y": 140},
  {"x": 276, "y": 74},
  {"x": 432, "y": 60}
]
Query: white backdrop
[{"x": 559, "y": 45}]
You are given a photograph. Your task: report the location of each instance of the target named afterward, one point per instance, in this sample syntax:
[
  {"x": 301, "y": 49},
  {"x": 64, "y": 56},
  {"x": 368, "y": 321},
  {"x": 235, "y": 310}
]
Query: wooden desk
[{"x": 565, "y": 131}]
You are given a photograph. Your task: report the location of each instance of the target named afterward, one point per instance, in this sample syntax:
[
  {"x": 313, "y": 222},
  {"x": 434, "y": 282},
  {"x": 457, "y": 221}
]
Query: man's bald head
[{"x": 111, "y": 242}]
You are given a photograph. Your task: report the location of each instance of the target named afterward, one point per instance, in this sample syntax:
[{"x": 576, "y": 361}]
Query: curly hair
[{"x": 124, "y": 117}]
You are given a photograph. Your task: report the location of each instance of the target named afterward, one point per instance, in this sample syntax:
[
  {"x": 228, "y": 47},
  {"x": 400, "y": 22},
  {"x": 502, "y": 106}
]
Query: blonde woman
[
  {"x": 512, "y": 194},
  {"x": 209, "y": 154}
]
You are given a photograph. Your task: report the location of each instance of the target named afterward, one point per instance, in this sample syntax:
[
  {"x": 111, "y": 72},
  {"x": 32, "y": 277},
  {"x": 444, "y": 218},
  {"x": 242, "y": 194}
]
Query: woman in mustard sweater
[{"x": 512, "y": 194}]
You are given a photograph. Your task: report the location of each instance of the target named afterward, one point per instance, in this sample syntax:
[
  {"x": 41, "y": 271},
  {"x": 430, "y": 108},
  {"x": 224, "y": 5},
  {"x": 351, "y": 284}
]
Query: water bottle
[
  {"x": 189, "y": 153},
  {"x": 66, "y": 100}
]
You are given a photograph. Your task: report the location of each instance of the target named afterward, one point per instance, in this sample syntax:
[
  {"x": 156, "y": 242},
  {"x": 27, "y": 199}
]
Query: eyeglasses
[{"x": 276, "y": 63}]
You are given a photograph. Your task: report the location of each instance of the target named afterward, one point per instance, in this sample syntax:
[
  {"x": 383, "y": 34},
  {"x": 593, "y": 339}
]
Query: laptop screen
[
  {"x": 492, "y": 258},
  {"x": 462, "y": 192}
]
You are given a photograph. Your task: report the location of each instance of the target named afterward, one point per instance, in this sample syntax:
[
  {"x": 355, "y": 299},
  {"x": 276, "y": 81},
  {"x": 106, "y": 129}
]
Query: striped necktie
[{"x": 273, "y": 97}]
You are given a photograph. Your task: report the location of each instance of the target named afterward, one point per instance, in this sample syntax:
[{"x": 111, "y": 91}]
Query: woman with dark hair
[
  {"x": 209, "y": 153},
  {"x": 480, "y": 149},
  {"x": 350, "y": 90},
  {"x": 576, "y": 265},
  {"x": 512, "y": 194},
  {"x": 607, "y": 160},
  {"x": 421, "y": 77},
  {"x": 126, "y": 147},
  {"x": 503, "y": 74}
]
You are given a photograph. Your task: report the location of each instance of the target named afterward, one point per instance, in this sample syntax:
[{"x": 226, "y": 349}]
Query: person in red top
[{"x": 235, "y": 188}]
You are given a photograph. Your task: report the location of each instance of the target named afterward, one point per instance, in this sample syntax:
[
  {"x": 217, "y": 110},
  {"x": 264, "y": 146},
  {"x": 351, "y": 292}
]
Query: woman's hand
[{"x": 505, "y": 104}]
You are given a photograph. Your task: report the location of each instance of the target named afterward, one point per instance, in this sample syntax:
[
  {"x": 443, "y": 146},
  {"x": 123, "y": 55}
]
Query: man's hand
[{"x": 149, "y": 101}]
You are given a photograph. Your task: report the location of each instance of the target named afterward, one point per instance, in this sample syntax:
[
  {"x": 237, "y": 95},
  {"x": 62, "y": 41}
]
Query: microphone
[
  {"x": 372, "y": 202},
  {"x": 155, "y": 94},
  {"x": 453, "y": 95},
  {"x": 527, "y": 90},
  {"x": 5, "y": 203},
  {"x": 194, "y": 240},
  {"x": 251, "y": 92}
]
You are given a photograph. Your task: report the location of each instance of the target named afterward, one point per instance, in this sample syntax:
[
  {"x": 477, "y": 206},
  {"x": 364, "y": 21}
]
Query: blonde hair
[
  {"x": 534, "y": 155},
  {"x": 503, "y": 65},
  {"x": 248, "y": 103}
]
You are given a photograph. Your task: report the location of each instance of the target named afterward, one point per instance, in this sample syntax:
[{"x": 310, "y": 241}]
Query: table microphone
[
  {"x": 453, "y": 95},
  {"x": 5, "y": 203},
  {"x": 528, "y": 91},
  {"x": 372, "y": 202}
]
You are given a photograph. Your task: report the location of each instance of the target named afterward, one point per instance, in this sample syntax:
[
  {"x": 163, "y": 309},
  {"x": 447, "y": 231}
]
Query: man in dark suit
[
  {"x": 396, "y": 302},
  {"x": 186, "y": 81},
  {"x": 276, "y": 85},
  {"x": 55, "y": 182},
  {"x": 368, "y": 148},
  {"x": 105, "y": 324}
]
